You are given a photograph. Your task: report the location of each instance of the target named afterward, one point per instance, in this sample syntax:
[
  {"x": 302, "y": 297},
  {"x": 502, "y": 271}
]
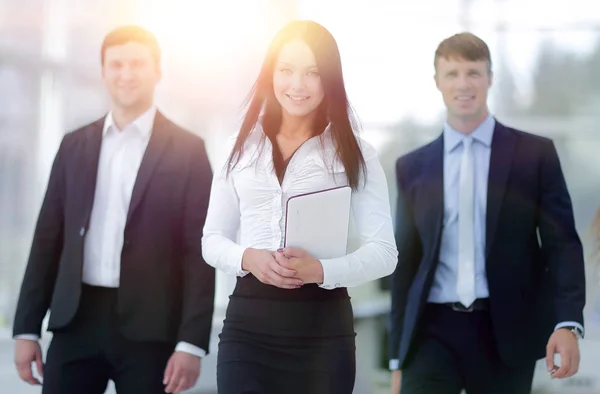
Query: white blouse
[{"x": 247, "y": 209}]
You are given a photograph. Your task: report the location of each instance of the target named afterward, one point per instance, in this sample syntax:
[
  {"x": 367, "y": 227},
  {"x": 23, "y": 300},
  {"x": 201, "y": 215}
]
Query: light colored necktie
[{"x": 465, "y": 286}]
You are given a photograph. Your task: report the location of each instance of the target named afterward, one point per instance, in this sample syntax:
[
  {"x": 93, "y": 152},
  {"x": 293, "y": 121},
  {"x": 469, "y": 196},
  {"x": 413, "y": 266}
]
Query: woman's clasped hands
[{"x": 287, "y": 268}]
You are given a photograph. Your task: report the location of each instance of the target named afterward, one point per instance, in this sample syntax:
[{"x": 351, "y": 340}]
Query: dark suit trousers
[
  {"x": 456, "y": 350},
  {"x": 90, "y": 351}
]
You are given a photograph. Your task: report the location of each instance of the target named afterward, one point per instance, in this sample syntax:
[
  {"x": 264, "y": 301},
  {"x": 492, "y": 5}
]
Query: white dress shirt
[
  {"x": 251, "y": 202},
  {"x": 120, "y": 158}
]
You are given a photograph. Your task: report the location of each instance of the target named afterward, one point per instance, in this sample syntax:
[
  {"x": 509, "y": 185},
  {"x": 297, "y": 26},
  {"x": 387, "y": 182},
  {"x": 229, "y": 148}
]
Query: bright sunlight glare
[{"x": 204, "y": 29}]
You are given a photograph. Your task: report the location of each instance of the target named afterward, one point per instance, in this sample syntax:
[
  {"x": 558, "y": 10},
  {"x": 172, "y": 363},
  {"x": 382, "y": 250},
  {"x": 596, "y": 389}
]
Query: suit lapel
[
  {"x": 434, "y": 192},
  {"x": 501, "y": 159},
  {"x": 89, "y": 160},
  {"x": 158, "y": 141}
]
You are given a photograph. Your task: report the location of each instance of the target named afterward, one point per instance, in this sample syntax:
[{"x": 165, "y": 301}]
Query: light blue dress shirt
[{"x": 443, "y": 288}]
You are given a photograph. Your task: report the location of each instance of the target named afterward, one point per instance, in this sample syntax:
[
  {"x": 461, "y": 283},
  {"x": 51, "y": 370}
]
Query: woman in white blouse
[{"x": 289, "y": 323}]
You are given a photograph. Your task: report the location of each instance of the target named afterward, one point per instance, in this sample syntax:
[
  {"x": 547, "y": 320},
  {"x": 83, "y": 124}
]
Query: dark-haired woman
[{"x": 289, "y": 323}]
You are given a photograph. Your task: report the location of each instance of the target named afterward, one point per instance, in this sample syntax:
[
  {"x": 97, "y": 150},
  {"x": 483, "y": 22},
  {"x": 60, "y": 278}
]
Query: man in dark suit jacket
[
  {"x": 116, "y": 254},
  {"x": 490, "y": 265}
]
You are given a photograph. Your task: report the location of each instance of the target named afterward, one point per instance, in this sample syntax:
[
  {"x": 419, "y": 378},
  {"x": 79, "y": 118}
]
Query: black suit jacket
[
  {"x": 166, "y": 290},
  {"x": 534, "y": 258}
]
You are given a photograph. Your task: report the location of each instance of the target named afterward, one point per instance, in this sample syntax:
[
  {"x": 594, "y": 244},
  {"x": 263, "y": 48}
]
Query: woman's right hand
[{"x": 266, "y": 269}]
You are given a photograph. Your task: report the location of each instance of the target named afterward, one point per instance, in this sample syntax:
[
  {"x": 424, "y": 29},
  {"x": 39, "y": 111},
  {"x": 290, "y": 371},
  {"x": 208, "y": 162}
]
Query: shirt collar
[
  {"x": 483, "y": 133},
  {"x": 144, "y": 123}
]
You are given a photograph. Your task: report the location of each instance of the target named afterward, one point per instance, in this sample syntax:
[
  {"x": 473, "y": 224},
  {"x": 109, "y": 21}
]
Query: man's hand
[
  {"x": 308, "y": 269},
  {"x": 396, "y": 380},
  {"x": 182, "y": 372},
  {"x": 27, "y": 352},
  {"x": 562, "y": 341}
]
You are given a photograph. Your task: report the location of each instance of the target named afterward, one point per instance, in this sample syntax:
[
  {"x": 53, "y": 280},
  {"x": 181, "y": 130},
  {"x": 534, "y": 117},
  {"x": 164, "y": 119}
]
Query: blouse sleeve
[
  {"x": 219, "y": 248},
  {"x": 377, "y": 255}
]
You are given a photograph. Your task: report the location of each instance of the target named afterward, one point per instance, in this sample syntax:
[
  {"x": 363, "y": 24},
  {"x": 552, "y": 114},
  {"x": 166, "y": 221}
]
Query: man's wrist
[
  {"x": 574, "y": 330},
  {"x": 186, "y": 347},
  {"x": 575, "y": 327},
  {"x": 27, "y": 337}
]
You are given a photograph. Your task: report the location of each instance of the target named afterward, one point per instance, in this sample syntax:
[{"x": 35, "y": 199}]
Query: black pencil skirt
[{"x": 274, "y": 347}]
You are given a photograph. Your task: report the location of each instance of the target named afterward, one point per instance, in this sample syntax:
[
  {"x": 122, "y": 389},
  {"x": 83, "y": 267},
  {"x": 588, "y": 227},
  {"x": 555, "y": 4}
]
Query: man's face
[
  {"x": 130, "y": 73},
  {"x": 464, "y": 86}
]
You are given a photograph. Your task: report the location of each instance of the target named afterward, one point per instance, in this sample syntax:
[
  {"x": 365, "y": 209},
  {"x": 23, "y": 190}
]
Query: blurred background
[{"x": 546, "y": 56}]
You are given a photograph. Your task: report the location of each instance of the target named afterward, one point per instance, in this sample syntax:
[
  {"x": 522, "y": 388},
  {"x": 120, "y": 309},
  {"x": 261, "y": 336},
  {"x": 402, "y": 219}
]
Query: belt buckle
[{"x": 459, "y": 307}]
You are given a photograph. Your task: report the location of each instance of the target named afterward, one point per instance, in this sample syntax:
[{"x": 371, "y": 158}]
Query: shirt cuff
[
  {"x": 394, "y": 364},
  {"x": 191, "y": 349},
  {"x": 29, "y": 337},
  {"x": 240, "y": 272},
  {"x": 571, "y": 324},
  {"x": 329, "y": 275}
]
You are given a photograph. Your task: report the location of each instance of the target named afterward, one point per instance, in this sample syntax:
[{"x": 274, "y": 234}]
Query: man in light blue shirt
[{"x": 490, "y": 273}]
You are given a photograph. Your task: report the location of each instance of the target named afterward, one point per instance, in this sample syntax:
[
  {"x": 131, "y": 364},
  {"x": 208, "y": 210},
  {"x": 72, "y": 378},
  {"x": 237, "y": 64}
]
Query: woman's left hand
[{"x": 308, "y": 269}]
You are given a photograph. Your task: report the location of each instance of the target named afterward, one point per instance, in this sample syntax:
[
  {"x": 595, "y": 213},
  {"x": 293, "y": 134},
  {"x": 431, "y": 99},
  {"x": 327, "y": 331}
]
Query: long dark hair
[{"x": 334, "y": 110}]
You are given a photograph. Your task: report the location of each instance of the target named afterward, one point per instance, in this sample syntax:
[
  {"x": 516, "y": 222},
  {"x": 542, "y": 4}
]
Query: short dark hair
[
  {"x": 466, "y": 46},
  {"x": 130, "y": 33}
]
